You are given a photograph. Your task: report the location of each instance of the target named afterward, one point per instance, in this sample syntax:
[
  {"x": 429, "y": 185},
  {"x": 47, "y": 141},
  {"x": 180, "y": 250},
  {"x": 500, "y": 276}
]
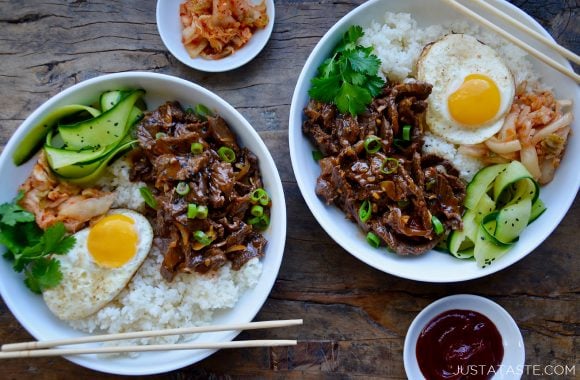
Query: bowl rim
[
  {"x": 277, "y": 245},
  {"x": 484, "y": 306},
  {"x": 204, "y": 64},
  {"x": 295, "y": 122}
]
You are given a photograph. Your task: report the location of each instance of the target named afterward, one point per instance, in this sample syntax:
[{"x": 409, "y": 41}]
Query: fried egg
[
  {"x": 103, "y": 260},
  {"x": 473, "y": 89}
]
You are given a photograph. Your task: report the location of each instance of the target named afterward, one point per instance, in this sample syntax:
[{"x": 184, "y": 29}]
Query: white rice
[
  {"x": 149, "y": 302},
  {"x": 399, "y": 41}
]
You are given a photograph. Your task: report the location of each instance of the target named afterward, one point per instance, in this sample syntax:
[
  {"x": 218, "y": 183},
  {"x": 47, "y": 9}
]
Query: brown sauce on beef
[
  {"x": 164, "y": 159},
  {"x": 404, "y": 201}
]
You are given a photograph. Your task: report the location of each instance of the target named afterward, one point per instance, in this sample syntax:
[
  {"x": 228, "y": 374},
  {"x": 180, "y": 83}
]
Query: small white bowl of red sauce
[{"x": 464, "y": 337}]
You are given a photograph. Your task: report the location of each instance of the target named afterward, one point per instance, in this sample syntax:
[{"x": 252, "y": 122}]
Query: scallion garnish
[
  {"x": 407, "y": 133},
  {"x": 373, "y": 240},
  {"x": 389, "y": 165},
  {"x": 182, "y": 188},
  {"x": 317, "y": 155},
  {"x": 191, "y": 211},
  {"x": 160, "y": 135},
  {"x": 260, "y": 196},
  {"x": 202, "y": 111},
  {"x": 202, "y": 212},
  {"x": 365, "y": 211},
  {"x": 226, "y": 154},
  {"x": 257, "y": 210},
  {"x": 201, "y": 237},
  {"x": 437, "y": 225},
  {"x": 260, "y": 222},
  {"x": 148, "y": 197},
  {"x": 372, "y": 144},
  {"x": 196, "y": 148}
]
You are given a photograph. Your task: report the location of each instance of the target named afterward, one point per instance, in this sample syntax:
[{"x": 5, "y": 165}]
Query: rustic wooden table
[{"x": 355, "y": 317}]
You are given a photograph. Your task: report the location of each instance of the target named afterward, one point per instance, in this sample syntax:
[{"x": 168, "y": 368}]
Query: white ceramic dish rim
[
  {"x": 318, "y": 209},
  {"x": 513, "y": 342},
  {"x": 274, "y": 249},
  {"x": 172, "y": 40}
]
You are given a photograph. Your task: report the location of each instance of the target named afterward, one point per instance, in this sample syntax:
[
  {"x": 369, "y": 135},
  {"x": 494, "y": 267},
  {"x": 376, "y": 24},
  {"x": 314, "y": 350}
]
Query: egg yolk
[
  {"x": 475, "y": 102},
  {"x": 112, "y": 241}
]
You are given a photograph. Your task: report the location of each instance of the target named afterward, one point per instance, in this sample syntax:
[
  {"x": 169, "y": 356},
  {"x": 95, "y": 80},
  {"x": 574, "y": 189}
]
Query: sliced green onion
[
  {"x": 389, "y": 165},
  {"x": 160, "y": 135},
  {"x": 226, "y": 154},
  {"x": 191, "y": 211},
  {"x": 437, "y": 225},
  {"x": 403, "y": 203},
  {"x": 260, "y": 196},
  {"x": 317, "y": 155},
  {"x": 201, "y": 237},
  {"x": 372, "y": 144},
  {"x": 260, "y": 222},
  {"x": 189, "y": 110},
  {"x": 257, "y": 210},
  {"x": 182, "y": 188},
  {"x": 202, "y": 111},
  {"x": 373, "y": 240},
  {"x": 202, "y": 212},
  {"x": 365, "y": 211},
  {"x": 148, "y": 197},
  {"x": 196, "y": 148},
  {"x": 407, "y": 133}
]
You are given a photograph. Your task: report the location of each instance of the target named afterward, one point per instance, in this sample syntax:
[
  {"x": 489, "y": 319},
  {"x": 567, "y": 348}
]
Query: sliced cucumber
[
  {"x": 538, "y": 209},
  {"x": 486, "y": 251},
  {"x": 108, "y": 128},
  {"x": 512, "y": 220},
  {"x": 515, "y": 172},
  {"x": 32, "y": 142},
  {"x": 59, "y": 158},
  {"x": 459, "y": 239},
  {"x": 480, "y": 184},
  {"x": 100, "y": 166},
  {"x": 110, "y": 99}
]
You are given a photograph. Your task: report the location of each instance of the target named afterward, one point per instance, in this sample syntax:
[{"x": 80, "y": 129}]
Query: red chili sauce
[{"x": 459, "y": 344}]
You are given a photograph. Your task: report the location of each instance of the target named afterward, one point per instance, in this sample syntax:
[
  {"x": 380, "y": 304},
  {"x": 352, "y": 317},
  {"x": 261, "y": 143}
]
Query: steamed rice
[
  {"x": 149, "y": 302},
  {"x": 399, "y": 41}
]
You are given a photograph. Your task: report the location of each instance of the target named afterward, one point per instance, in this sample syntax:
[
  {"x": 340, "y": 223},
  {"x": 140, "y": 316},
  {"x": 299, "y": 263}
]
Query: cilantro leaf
[
  {"x": 374, "y": 84},
  {"x": 324, "y": 89},
  {"x": 11, "y": 213},
  {"x": 349, "y": 77},
  {"x": 363, "y": 62},
  {"x": 43, "y": 274},
  {"x": 352, "y": 99},
  {"x": 55, "y": 241}
]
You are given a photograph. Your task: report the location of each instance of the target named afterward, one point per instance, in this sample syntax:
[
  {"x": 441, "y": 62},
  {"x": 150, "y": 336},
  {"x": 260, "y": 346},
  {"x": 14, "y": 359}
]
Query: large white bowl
[
  {"x": 30, "y": 309},
  {"x": 169, "y": 27},
  {"x": 432, "y": 266}
]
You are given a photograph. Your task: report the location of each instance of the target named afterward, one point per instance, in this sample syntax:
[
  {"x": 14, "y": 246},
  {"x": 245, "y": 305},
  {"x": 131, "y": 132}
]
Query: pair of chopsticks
[
  {"x": 531, "y": 50},
  {"x": 45, "y": 348}
]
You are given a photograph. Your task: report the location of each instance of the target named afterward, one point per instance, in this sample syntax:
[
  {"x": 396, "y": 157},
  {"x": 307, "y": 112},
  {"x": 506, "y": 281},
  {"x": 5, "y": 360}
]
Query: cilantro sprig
[
  {"x": 30, "y": 249},
  {"x": 349, "y": 77}
]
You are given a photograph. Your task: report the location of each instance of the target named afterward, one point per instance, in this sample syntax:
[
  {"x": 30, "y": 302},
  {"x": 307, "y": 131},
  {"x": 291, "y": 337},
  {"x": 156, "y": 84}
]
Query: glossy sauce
[{"x": 459, "y": 344}]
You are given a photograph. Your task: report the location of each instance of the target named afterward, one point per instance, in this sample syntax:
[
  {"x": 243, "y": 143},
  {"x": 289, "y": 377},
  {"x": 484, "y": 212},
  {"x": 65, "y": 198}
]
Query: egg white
[
  {"x": 87, "y": 287},
  {"x": 445, "y": 64}
]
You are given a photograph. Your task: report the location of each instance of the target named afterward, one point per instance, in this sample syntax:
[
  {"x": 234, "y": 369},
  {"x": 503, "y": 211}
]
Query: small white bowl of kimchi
[{"x": 215, "y": 35}]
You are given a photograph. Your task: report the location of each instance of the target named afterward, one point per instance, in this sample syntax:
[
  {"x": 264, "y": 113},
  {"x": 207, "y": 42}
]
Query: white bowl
[
  {"x": 169, "y": 27},
  {"x": 432, "y": 266},
  {"x": 514, "y": 351},
  {"x": 30, "y": 309}
]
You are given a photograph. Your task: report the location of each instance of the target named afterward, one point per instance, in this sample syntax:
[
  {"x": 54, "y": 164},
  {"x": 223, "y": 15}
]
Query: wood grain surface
[{"x": 355, "y": 317}]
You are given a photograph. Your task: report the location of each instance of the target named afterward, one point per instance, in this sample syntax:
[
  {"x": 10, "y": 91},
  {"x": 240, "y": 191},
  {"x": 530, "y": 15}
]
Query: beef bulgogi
[
  {"x": 203, "y": 184},
  {"x": 373, "y": 169}
]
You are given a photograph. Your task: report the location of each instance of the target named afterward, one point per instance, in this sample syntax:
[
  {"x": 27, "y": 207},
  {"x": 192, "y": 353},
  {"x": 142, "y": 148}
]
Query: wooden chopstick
[
  {"x": 144, "y": 348},
  {"x": 536, "y": 53},
  {"x": 147, "y": 334},
  {"x": 559, "y": 48}
]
